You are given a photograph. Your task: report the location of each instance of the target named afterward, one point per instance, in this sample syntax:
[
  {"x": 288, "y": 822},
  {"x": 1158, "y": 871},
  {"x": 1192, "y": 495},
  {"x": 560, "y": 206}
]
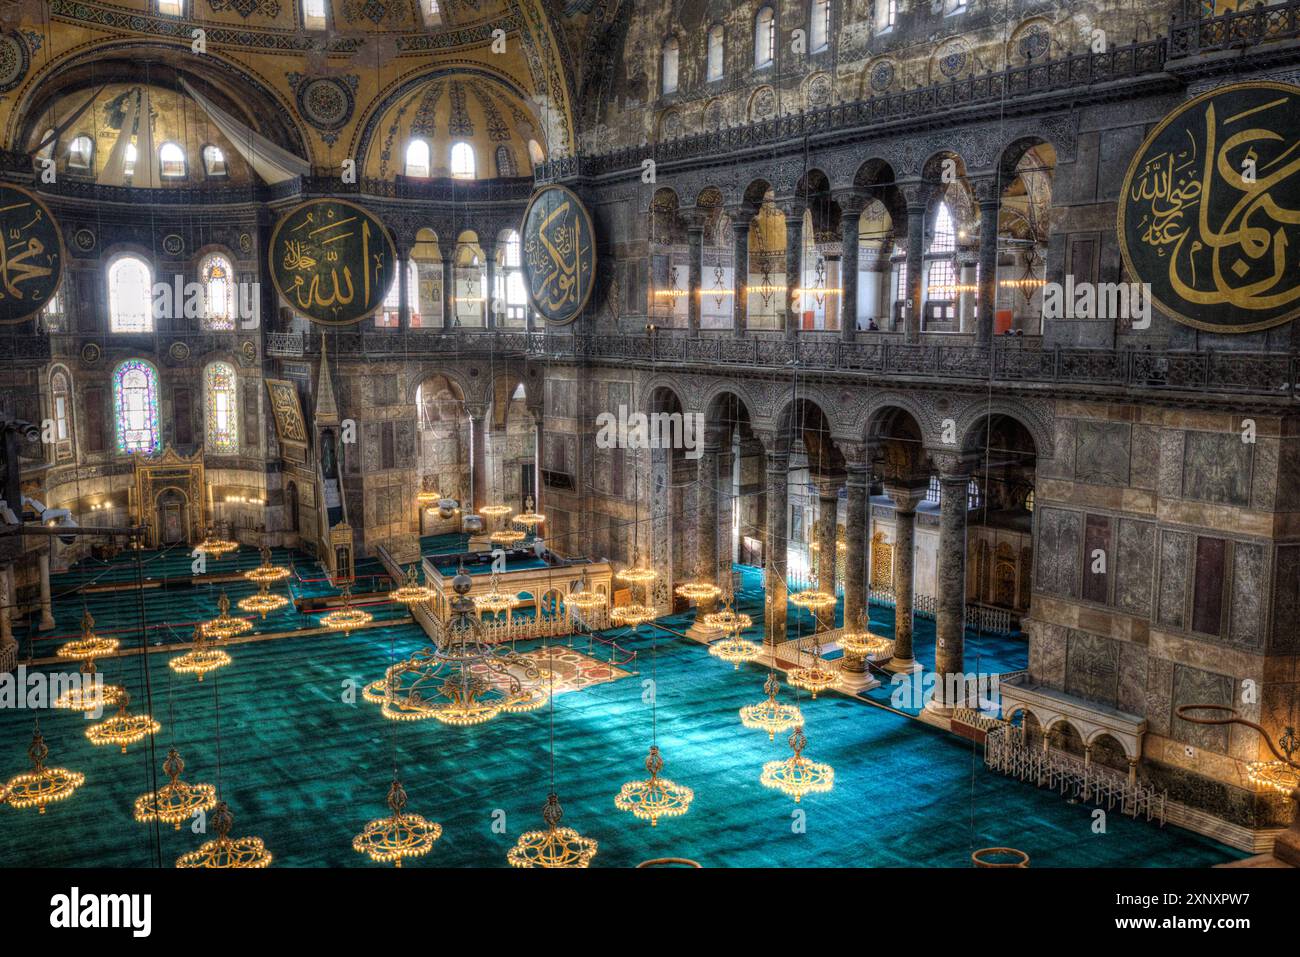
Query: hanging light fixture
[
  {"x": 496, "y": 510},
  {"x": 528, "y": 516},
  {"x": 225, "y": 626},
  {"x": 814, "y": 601},
  {"x": 654, "y": 797},
  {"x": 814, "y": 678},
  {"x": 392, "y": 839},
  {"x": 698, "y": 591},
  {"x": 263, "y": 603},
  {"x": 863, "y": 644},
  {"x": 732, "y": 648},
  {"x": 428, "y": 496},
  {"x": 225, "y": 852},
  {"x": 411, "y": 592},
  {"x": 1283, "y": 774},
  {"x": 771, "y": 715},
  {"x": 123, "y": 728},
  {"x": 176, "y": 801},
  {"x": 346, "y": 619},
  {"x": 507, "y": 536},
  {"x": 554, "y": 847},
  {"x": 89, "y": 646},
  {"x": 41, "y": 785},
  {"x": 797, "y": 776},
  {"x": 200, "y": 659},
  {"x": 267, "y": 573},
  {"x": 215, "y": 546},
  {"x": 91, "y": 694},
  {"x": 494, "y": 600}
]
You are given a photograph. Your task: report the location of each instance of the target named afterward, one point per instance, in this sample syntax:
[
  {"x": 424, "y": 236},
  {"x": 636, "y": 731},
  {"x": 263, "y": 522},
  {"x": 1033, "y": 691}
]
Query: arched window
[
  {"x": 61, "y": 394},
  {"x": 417, "y": 158},
  {"x": 81, "y": 151},
  {"x": 130, "y": 281},
  {"x": 945, "y": 234},
  {"x": 887, "y": 11},
  {"x": 764, "y": 37},
  {"x": 47, "y": 151},
  {"x": 509, "y": 281},
  {"x": 432, "y": 11},
  {"x": 535, "y": 152},
  {"x": 135, "y": 398},
  {"x": 223, "y": 421},
  {"x": 462, "y": 161},
  {"x": 715, "y": 65},
  {"x": 214, "y": 161},
  {"x": 172, "y": 8},
  {"x": 389, "y": 315},
  {"x": 426, "y": 295},
  {"x": 128, "y": 164},
  {"x": 171, "y": 161},
  {"x": 218, "y": 278},
  {"x": 819, "y": 25},
  {"x": 313, "y": 14},
  {"x": 671, "y": 50},
  {"x": 506, "y": 162}
]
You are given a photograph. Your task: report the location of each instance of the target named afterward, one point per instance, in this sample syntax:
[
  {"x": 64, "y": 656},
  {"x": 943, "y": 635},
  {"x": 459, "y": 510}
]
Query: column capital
[
  {"x": 852, "y": 203},
  {"x": 906, "y": 496},
  {"x": 741, "y": 216},
  {"x": 987, "y": 190},
  {"x": 856, "y": 456},
  {"x": 695, "y": 221},
  {"x": 953, "y": 466}
]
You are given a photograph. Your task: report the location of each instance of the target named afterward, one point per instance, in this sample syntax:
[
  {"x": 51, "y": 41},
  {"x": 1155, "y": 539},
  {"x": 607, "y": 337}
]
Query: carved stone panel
[
  {"x": 1092, "y": 668},
  {"x": 1135, "y": 566},
  {"x": 1249, "y": 593},
  {"x": 1175, "y": 558},
  {"x": 1102, "y": 453},
  {"x": 1194, "y": 686},
  {"x": 1216, "y": 468},
  {"x": 1059, "y": 541}
]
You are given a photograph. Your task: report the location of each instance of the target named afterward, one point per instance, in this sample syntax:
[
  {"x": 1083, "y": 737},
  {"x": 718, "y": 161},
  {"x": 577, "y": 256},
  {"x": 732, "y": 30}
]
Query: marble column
[
  {"x": 47, "y": 616},
  {"x": 478, "y": 477},
  {"x": 740, "y": 273},
  {"x": 793, "y": 269},
  {"x": 988, "y": 270},
  {"x": 951, "y": 587},
  {"x": 966, "y": 298},
  {"x": 490, "y": 318},
  {"x": 856, "y": 535},
  {"x": 828, "y": 501},
  {"x": 695, "y": 275},
  {"x": 707, "y": 532},
  {"x": 7, "y": 610},
  {"x": 448, "y": 286},
  {"x": 906, "y": 499},
  {"x": 915, "y": 271},
  {"x": 778, "y": 507},
  {"x": 403, "y": 291},
  {"x": 725, "y": 499},
  {"x": 850, "y": 220}
]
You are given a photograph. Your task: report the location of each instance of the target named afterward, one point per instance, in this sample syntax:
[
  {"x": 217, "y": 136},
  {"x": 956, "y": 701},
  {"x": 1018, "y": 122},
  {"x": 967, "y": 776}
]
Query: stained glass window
[
  {"x": 135, "y": 397},
  {"x": 129, "y": 284},
  {"x": 223, "y": 427},
  {"x": 217, "y": 276}
]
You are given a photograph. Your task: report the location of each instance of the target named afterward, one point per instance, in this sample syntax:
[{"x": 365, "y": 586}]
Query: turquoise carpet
[{"x": 305, "y": 769}]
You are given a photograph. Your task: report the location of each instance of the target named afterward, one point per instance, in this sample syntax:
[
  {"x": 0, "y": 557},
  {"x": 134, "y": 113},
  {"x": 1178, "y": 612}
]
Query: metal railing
[{"x": 1239, "y": 30}]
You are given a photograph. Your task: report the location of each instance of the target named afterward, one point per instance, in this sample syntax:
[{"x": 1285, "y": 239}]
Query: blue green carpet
[{"x": 305, "y": 769}]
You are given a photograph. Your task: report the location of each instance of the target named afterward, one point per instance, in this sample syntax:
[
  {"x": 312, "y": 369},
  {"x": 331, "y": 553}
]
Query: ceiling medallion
[
  {"x": 554, "y": 847},
  {"x": 175, "y": 802},
  {"x": 392, "y": 839}
]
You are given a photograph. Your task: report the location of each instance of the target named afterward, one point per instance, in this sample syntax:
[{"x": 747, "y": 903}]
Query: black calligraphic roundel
[
  {"x": 559, "y": 254},
  {"x": 332, "y": 261},
  {"x": 1209, "y": 215},
  {"x": 31, "y": 255}
]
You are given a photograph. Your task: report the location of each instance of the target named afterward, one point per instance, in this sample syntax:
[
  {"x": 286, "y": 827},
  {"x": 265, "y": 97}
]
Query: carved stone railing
[
  {"x": 1240, "y": 30},
  {"x": 284, "y": 345}
]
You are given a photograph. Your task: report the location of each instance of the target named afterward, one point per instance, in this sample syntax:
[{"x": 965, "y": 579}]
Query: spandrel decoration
[
  {"x": 559, "y": 259},
  {"x": 332, "y": 261},
  {"x": 31, "y": 255},
  {"x": 1209, "y": 215}
]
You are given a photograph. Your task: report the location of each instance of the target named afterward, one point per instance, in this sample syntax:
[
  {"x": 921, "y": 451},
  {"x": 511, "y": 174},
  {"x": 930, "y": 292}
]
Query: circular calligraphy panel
[
  {"x": 559, "y": 254},
  {"x": 1209, "y": 215},
  {"x": 31, "y": 255},
  {"x": 332, "y": 261}
]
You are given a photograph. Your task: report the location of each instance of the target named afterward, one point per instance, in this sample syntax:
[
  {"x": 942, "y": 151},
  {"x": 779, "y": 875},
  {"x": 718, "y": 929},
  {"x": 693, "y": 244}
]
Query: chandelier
[
  {"x": 123, "y": 728},
  {"x": 554, "y": 847},
  {"x": 266, "y": 573},
  {"x": 411, "y": 592},
  {"x": 89, "y": 646},
  {"x": 1281, "y": 775},
  {"x": 225, "y": 852},
  {"x": 495, "y": 511},
  {"x": 200, "y": 659},
  {"x": 637, "y": 576},
  {"x": 528, "y": 516},
  {"x": 814, "y": 678},
  {"x": 797, "y": 776},
  {"x": 863, "y": 644},
  {"x": 214, "y": 546},
  {"x": 92, "y": 694},
  {"x": 698, "y": 591},
  {"x": 41, "y": 785},
  {"x": 176, "y": 801},
  {"x": 225, "y": 625},
  {"x": 732, "y": 648},
  {"x": 507, "y": 536},
  {"x": 389, "y": 840},
  {"x": 633, "y": 615},
  {"x": 461, "y": 679},
  {"x": 814, "y": 601},
  {"x": 771, "y": 715},
  {"x": 654, "y": 797},
  {"x": 346, "y": 619},
  {"x": 428, "y": 496},
  {"x": 735, "y": 650},
  {"x": 263, "y": 603},
  {"x": 494, "y": 600}
]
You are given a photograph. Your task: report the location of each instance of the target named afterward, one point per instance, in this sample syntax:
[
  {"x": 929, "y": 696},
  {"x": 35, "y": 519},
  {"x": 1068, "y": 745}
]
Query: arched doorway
[
  {"x": 291, "y": 507},
  {"x": 172, "y": 507}
]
